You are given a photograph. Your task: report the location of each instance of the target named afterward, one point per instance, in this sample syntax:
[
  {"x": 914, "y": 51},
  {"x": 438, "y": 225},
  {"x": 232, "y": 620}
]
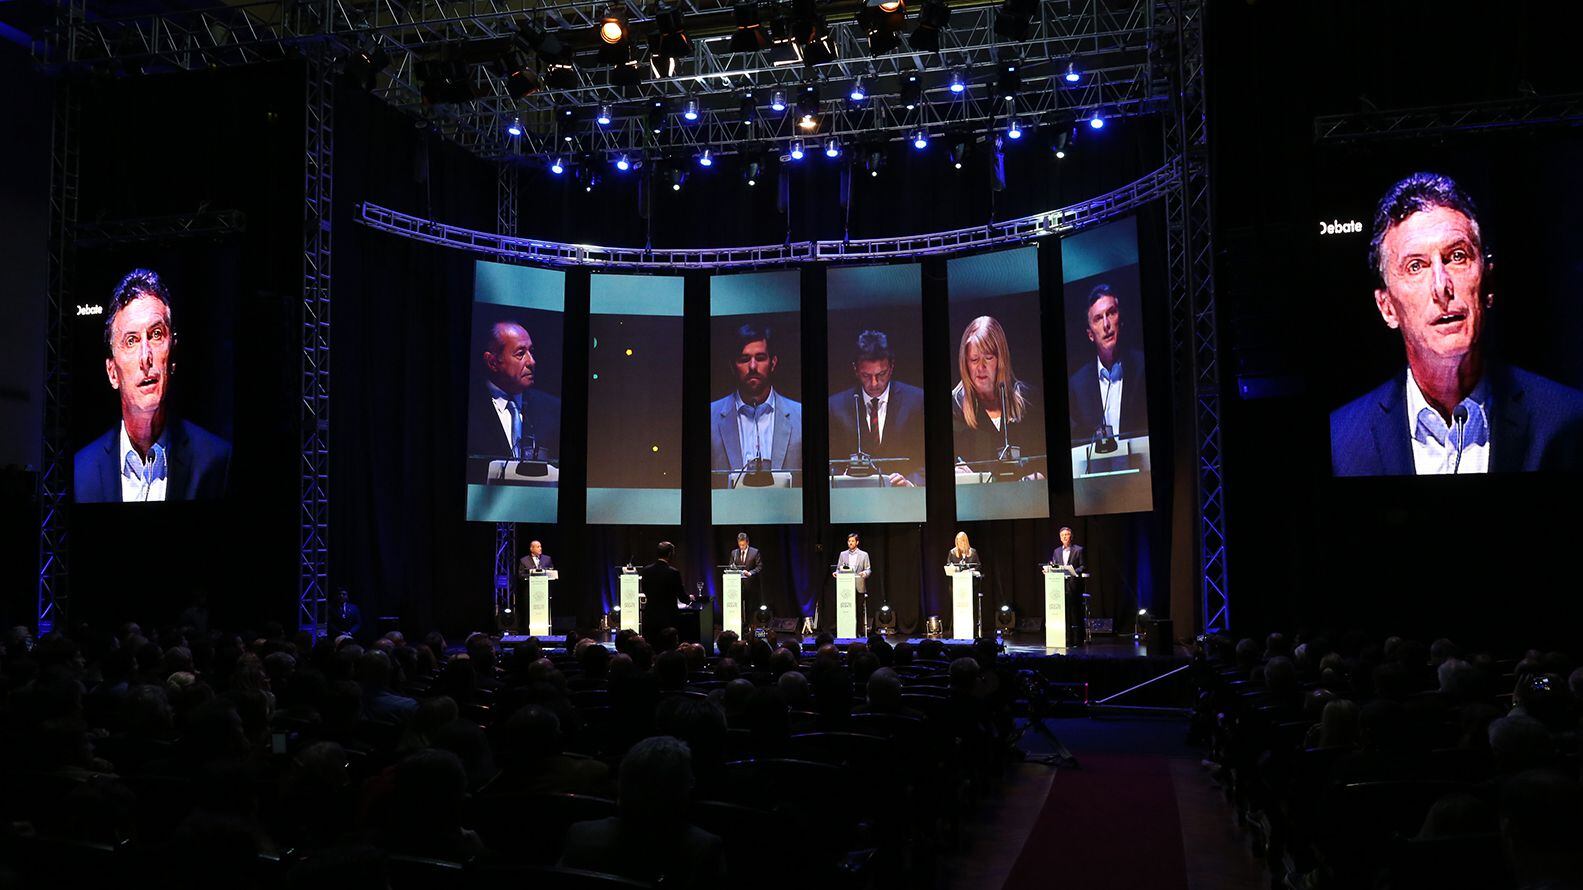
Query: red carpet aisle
[{"x": 1113, "y": 823}]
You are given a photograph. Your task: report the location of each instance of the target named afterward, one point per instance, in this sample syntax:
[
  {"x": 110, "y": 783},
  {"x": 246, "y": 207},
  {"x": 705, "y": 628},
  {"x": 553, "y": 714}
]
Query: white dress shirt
[
  {"x": 1435, "y": 441},
  {"x": 1110, "y": 392},
  {"x": 756, "y": 433},
  {"x": 144, "y": 480},
  {"x": 884, "y": 400},
  {"x": 500, "y": 400}
]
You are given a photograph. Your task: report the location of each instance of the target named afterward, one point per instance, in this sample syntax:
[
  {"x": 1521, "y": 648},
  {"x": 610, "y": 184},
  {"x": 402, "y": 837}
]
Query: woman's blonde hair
[{"x": 986, "y": 333}]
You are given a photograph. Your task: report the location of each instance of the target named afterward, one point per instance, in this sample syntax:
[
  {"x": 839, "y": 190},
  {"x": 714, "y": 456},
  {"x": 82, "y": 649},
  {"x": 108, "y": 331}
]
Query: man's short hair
[
  {"x": 741, "y": 536},
  {"x": 1418, "y": 192},
  {"x": 1100, "y": 290},
  {"x": 1065, "y": 528},
  {"x": 137, "y": 283},
  {"x": 666, "y": 550},
  {"x": 750, "y": 333},
  {"x": 655, "y": 778},
  {"x": 492, "y": 340},
  {"x": 873, "y": 346},
  {"x": 854, "y": 535}
]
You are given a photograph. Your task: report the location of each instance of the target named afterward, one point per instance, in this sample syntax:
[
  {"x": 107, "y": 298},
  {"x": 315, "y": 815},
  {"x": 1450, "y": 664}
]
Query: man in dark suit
[
  {"x": 754, "y": 421},
  {"x": 508, "y": 418},
  {"x": 662, "y": 588},
  {"x": 1069, "y": 554},
  {"x": 151, "y": 455},
  {"x": 891, "y": 413},
  {"x": 536, "y": 560},
  {"x": 745, "y": 558},
  {"x": 1454, "y": 410},
  {"x": 1108, "y": 391},
  {"x": 345, "y": 617}
]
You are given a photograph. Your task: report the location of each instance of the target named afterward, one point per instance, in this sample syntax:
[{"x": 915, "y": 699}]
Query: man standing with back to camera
[
  {"x": 1454, "y": 410},
  {"x": 151, "y": 455}
]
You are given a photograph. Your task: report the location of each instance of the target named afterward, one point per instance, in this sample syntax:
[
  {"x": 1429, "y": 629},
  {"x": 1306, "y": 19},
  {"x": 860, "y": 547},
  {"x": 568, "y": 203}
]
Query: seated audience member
[
  {"x": 1541, "y": 819},
  {"x": 649, "y": 841},
  {"x": 1458, "y": 814},
  {"x": 424, "y": 816},
  {"x": 1520, "y": 743},
  {"x": 381, "y": 704},
  {"x": 793, "y": 686},
  {"x": 884, "y": 696},
  {"x": 1337, "y": 726},
  {"x": 532, "y": 760}
]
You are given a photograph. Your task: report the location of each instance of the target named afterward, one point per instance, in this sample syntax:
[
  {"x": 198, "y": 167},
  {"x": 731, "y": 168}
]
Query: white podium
[
  {"x": 845, "y": 603},
  {"x": 539, "y": 601},
  {"x": 631, "y": 604},
  {"x": 962, "y": 604},
  {"x": 1055, "y": 582},
  {"x": 731, "y": 602}
]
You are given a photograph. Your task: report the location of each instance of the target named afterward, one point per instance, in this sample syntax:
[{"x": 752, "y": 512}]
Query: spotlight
[
  {"x": 796, "y": 151},
  {"x": 911, "y": 92},
  {"x": 706, "y": 158},
  {"x": 1062, "y": 140},
  {"x": 605, "y": 116},
  {"x": 749, "y": 36},
  {"x": 673, "y": 41},
  {"x": 808, "y": 122},
  {"x": 1008, "y": 81},
  {"x": 557, "y": 167},
  {"x": 958, "y": 82},
  {"x": 920, "y": 140},
  {"x": 445, "y": 81},
  {"x": 1014, "y": 19},
  {"x": 613, "y": 27},
  {"x": 561, "y": 76},
  {"x": 1015, "y": 130},
  {"x": 1005, "y": 618},
  {"x": 623, "y": 163},
  {"x": 874, "y": 161},
  {"x": 515, "y": 127},
  {"x": 807, "y": 29},
  {"x": 882, "y": 21},
  {"x": 751, "y": 172},
  {"x": 832, "y": 148},
  {"x": 1072, "y": 75},
  {"x": 1097, "y": 122},
  {"x": 676, "y": 176},
  {"x": 958, "y": 152},
  {"x": 932, "y": 19},
  {"x": 778, "y": 100},
  {"x": 858, "y": 93},
  {"x": 690, "y": 109}
]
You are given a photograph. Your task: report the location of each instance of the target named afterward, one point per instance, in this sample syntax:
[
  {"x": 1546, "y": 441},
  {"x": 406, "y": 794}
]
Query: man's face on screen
[
  {"x": 139, "y": 362},
  {"x": 874, "y": 375},
  {"x": 1066, "y": 537},
  {"x": 755, "y": 368},
  {"x": 511, "y": 365},
  {"x": 1434, "y": 278},
  {"x": 1104, "y": 327}
]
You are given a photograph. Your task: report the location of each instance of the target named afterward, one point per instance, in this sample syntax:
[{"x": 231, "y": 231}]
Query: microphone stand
[
  {"x": 1105, "y": 437},
  {"x": 859, "y": 466}
]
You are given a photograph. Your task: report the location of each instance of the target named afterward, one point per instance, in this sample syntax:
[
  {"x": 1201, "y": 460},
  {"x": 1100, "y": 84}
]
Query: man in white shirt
[
  {"x": 509, "y": 416},
  {"x": 1107, "y": 393}
]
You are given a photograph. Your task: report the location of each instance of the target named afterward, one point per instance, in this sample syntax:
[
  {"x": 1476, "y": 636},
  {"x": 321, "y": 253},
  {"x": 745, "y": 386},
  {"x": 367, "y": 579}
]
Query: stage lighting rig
[
  {"x": 957, "y": 154},
  {"x": 778, "y": 100},
  {"x": 859, "y": 92},
  {"x": 920, "y": 139},
  {"x": 445, "y": 80},
  {"x": 932, "y": 19},
  {"x": 751, "y": 171},
  {"x": 911, "y": 91},
  {"x": 674, "y": 42},
  {"x": 1014, "y": 19},
  {"x": 1008, "y": 80},
  {"x": 605, "y": 116},
  {"x": 557, "y": 166},
  {"x": 750, "y": 35},
  {"x": 873, "y": 160},
  {"x": 1072, "y": 75},
  {"x": 832, "y": 147},
  {"x": 514, "y": 129},
  {"x": 690, "y": 110},
  {"x": 882, "y": 21},
  {"x": 366, "y": 63},
  {"x": 561, "y": 75},
  {"x": 706, "y": 158},
  {"x": 795, "y": 151},
  {"x": 809, "y": 31},
  {"x": 658, "y": 112}
]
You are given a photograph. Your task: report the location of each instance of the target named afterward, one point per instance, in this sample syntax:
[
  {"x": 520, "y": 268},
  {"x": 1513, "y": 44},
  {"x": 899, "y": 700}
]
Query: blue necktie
[{"x": 515, "y": 409}]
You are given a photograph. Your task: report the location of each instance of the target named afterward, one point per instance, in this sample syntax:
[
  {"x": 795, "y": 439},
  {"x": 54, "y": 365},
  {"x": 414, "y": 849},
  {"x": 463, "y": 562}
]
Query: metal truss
[
  {"x": 1191, "y": 283},
  {"x": 1110, "y": 42},
  {"x": 506, "y": 220},
  {"x": 314, "y": 414},
  {"x": 202, "y": 224},
  {"x": 53, "y": 591},
  {"x": 1120, "y": 92},
  {"x": 1064, "y": 221},
  {"x": 1524, "y": 112}
]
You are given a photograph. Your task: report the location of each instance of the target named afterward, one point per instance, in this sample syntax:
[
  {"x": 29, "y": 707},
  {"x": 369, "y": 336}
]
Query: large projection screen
[
  {"x": 634, "y": 386},
  {"x": 1000, "y": 459},
  {"x": 514, "y": 394},
  {"x": 756, "y": 399},
  {"x": 876, "y": 403}
]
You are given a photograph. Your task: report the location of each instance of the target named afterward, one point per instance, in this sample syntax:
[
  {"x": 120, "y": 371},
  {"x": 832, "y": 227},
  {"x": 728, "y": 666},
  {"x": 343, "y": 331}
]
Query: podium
[
  {"x": 731, "y": 600},
  {"x": 1055, "y": 608},
  {"x": 631, "y": 599},
  {"x": 539, "y": 600},
  {"x": 845, "y": 603},
  {"x": 963, "y": 605}
]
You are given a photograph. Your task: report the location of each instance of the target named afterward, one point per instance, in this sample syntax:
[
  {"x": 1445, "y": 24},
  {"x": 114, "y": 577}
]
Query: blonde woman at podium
[{"x": 963, "y": 553}]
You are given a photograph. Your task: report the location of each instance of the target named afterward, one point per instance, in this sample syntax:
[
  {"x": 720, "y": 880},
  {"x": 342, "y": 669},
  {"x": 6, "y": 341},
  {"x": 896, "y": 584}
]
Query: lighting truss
[
  {"x": 1525, "y": 112},
  {"x": 1058, "y": 223},
  {"x": 314, "y": 405}
]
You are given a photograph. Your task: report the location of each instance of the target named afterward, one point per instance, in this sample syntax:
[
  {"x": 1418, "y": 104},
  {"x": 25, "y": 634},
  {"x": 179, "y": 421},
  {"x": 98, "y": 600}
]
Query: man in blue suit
[
  {"x": 1107, "y": 392},
  {"x": 891, "y": 413},
  {"x": 755, "y": 423},
  {"x": 150, "y": 455},
  {"x": 1454, "y": 410}
]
